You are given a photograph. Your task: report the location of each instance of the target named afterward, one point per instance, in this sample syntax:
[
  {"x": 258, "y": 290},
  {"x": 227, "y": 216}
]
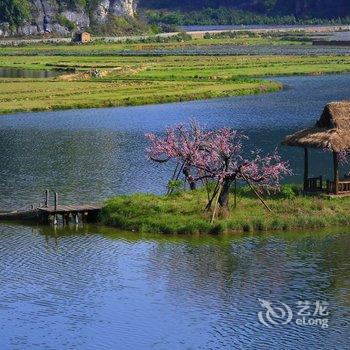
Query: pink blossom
[{"x": 217, "y": 155}]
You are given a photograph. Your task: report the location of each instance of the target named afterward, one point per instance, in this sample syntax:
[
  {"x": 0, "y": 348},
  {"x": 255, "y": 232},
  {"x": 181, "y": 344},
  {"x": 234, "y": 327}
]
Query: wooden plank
[
  {"x": 42, "y": 213},
  {"x": 71, "y": 208}
]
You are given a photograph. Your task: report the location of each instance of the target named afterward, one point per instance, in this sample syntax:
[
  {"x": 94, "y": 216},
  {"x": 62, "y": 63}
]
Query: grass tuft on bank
[{"x": 183, "y": 213}]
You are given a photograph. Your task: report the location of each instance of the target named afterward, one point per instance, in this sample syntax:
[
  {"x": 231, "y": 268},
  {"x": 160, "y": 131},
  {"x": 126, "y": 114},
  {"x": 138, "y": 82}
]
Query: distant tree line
[
  {"x": 223, "y": 16},
  {"x": 206, "y": 12},
  {"x": 298, "y": 8},
  {"x": 15, "y": 12}
]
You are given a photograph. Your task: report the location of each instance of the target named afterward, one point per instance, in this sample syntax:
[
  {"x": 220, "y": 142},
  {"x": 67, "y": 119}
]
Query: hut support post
[
  {"x": 306, "y": 168},
  {"x": 336, "y": 173},
  {"x": 235, "y": 193}
]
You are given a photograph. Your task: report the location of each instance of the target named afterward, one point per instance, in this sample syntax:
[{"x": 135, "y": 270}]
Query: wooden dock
[
  {"x": 75, "y": 213},
  {"x": 19, "y": 215},
  {"x": 51, "y": 214},
  {"x": 55, "y": 213},
  {"x": 71, "y": 209}
]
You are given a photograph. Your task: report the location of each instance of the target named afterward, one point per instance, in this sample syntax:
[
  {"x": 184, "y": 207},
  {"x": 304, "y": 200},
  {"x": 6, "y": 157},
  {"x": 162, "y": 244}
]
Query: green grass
[
  {"x": 51, "y": 95},
  {"x": 183, "y": 213},
  {"x": 99, "y": 48},
  {"x": 136, "y": 80},
  {"x": 139, "y": 80}
]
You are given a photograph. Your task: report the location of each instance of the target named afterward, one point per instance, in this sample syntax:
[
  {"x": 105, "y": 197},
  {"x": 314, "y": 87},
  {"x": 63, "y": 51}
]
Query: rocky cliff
[{"x": 62, "y": 17}]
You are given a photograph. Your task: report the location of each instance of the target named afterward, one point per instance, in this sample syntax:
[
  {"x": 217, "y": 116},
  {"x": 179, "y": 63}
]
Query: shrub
[
  {"x": 175, "y": 186},
  {"x": 289, "y": 191},
  {"x": 259, "y": 225},
  {"x": 247, "y": 227},
  {"x": 65, "y": 22},
  {"x": 182, "y": 37},
  {"x": 217, "y": 229}
]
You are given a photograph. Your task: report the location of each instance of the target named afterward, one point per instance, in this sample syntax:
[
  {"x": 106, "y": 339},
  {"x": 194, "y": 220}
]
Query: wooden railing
[
  {"x": 314, "y": 184},
  {"x": 343, "y": 186}
]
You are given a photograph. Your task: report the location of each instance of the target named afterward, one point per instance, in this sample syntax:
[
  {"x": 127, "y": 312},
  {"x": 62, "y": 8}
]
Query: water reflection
[{"x": 95, "y": 287}]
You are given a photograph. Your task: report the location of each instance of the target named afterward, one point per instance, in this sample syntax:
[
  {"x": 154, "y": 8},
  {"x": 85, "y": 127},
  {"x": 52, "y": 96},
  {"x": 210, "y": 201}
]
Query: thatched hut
[
  {"x": 81, "y": 37},
  {"x": 332, "y": 132}
]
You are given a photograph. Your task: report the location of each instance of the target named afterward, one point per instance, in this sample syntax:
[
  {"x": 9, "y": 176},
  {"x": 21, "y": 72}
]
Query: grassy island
[{"x": 183, "y": 212}]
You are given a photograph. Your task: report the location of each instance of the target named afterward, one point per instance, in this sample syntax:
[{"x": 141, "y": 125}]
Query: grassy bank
[
  {"x": 139, "y": 80},
  {"x": 183, "y": 213}
]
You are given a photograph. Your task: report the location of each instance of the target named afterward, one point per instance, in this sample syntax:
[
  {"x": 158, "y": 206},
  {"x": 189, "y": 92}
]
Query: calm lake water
[{"x": 97, "y": 288}]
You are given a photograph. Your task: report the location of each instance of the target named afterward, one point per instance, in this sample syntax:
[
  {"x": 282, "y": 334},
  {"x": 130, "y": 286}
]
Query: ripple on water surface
[{"x": 97, "y": 288}]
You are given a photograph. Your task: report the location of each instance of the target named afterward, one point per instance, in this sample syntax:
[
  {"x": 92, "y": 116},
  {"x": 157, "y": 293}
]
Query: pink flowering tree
[{"x": 216, "y": 157}]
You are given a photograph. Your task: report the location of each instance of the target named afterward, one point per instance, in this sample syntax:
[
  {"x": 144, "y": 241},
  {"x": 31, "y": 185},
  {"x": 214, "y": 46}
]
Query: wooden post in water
[
  {"x": 47, "y": 194},
  {"x": 56, "y": 201},
  {"x": 336, "y": 173},
  {"x": 65, "y": 218},
  {"x": 55, "y": 222},
  {"x": 306, "y": 168}
]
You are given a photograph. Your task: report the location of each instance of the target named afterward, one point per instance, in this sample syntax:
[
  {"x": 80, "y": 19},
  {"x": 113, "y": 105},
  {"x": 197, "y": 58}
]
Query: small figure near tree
[{"x": 216, "y": 156}]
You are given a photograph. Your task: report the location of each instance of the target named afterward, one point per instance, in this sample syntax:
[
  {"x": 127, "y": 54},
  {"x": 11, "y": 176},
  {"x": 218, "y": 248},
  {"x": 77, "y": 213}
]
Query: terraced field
[{"x": 112, "y": 80}]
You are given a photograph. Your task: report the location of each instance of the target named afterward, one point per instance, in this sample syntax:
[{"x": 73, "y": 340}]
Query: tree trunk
[
  {"x": 225, "y": 193},
  {"x": 186, "y": 171}
]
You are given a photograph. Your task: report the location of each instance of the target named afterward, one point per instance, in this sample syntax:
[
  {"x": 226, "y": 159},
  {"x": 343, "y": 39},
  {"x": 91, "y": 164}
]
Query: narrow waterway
[{"x": 9, "y": 72}]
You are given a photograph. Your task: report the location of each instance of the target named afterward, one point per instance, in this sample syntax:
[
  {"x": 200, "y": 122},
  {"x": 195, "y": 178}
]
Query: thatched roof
[{"x": 331, "y": 131}]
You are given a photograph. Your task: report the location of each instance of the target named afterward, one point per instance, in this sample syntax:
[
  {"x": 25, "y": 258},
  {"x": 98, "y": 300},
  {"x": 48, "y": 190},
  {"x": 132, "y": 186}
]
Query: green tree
[{"x": 15, "y": 12}]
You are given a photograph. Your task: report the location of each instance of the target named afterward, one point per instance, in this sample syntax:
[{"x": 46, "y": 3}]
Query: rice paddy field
[
  {"x": 108, "y": 47},
  {"x": 100, "y": 75}
]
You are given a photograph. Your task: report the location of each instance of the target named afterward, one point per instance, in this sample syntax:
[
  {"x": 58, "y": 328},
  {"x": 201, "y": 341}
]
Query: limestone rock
[{"x": 60, "y": 16}]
